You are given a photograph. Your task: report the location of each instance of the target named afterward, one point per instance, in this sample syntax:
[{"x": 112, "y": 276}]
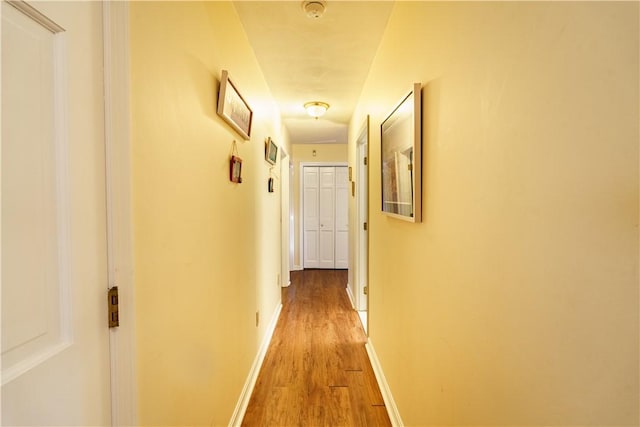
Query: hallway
[
  {"x": 316, "y": 371},
  {"x": 138, "y": 142}
]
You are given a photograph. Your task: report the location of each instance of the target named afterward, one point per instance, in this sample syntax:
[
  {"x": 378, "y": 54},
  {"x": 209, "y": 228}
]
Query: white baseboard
[
  {"x": 247, "y": 390},
  {"x": 297, "y": 268},
  {"x": 350, "y": 295},
  {"x": 389, "y": 403}
]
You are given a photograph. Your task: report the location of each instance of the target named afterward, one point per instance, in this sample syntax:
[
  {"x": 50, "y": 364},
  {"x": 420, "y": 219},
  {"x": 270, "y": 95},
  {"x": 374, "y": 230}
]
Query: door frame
[
  {"x": 362, "y": 210},
  {"x": 301, "y": 199},
  {"x": 115, "y": 21},
  {"x": 285, "y": 201}
]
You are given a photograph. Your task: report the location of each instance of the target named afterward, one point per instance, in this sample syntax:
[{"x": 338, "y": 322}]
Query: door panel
[
  {"x": 55, "y": 355},
  {"x": 327, "y": 217},
  {"x": 32, "y": 201},
  {"x": 311, "y": 220}
]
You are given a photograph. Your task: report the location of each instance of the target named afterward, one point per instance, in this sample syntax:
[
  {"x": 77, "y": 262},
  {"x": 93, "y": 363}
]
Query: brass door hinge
[
  {"x": 366, "y": 290},
  {"x": 112, "y": 303},
  {"x": 365, "y": 226},
  {"x": 365, "y": 161}
]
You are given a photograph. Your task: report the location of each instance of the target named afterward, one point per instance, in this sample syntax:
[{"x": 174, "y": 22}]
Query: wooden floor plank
[{"x": 316, "y": 371}]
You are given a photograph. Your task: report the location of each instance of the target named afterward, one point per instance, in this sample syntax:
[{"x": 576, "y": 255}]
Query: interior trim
[
  {"x": 250, "y": 383},
  {"x": 389, "y": 403},
  {"x": 350, "y": 295},
  {"x": 124, "y": 394},
  {"x": 36, "y": 15}
]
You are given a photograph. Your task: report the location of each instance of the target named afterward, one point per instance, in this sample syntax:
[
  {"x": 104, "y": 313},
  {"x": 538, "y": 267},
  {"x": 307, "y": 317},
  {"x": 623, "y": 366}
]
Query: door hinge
[
  {"x": 365, "y": 226},
  {"x": 112, "y": 303},
  {"x": 365, "y": 161},
  {"x": 410, "y": 166},
  {"x": 365, "y": 290}
]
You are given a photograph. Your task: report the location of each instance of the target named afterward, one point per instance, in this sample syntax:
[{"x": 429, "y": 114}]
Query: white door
[
  {"x": 311, "y": 219},
  {"x": 55, "y": 351},
  {"x": 327, "y": 217},
  {"x": 342, "y": 218}
]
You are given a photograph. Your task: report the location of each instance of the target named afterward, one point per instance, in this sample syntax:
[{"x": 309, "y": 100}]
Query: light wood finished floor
[{"x": 316, "y": 371}]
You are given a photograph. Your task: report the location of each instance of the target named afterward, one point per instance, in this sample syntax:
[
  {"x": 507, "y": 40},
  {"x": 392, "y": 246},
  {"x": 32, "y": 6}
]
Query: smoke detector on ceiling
[{"x": 314, "y": 8}]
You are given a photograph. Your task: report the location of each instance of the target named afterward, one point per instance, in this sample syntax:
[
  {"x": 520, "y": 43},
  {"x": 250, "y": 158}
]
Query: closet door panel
[
  {"x": 311, "y": 220},
  {"x": 327, "y": 217}
]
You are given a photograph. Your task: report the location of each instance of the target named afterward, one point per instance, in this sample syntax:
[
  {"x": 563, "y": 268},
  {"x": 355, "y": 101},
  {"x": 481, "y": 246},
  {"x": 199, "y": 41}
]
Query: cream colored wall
[
  {"x": 304, "y": 153},
  {"x": 207, "y": 251},
  {"x": 515, "y": 302}
]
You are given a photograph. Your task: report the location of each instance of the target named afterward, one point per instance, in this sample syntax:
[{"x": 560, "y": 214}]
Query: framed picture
[
  {"x": 233, "y": 108},
  {"x": 271, "y": 151},
  {"x": 401, "y": 158},
  {"x": 235, "y": 169},
  {"x": 270, "y": 187}
]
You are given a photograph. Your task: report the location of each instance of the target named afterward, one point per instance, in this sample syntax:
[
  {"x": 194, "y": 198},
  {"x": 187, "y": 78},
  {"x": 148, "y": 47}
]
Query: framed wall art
[
  {"x": 270, "y": 151},
  {"x": 233, "y": 108},
  {"x": 235, "y": 169},
  {"x": 401, "y": 158}
]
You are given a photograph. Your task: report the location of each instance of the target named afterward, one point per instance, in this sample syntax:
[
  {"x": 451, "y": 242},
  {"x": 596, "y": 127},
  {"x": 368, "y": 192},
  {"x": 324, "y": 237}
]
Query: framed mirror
[{"x": 401, "y": 158}]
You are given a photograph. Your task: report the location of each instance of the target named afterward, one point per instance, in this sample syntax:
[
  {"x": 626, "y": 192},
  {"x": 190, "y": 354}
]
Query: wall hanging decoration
[
  {"x": 401, "y": 158},
  {"x": 233, "y": 108},
  {"x": 235, "y": 165},
  {"x": 270, "y": 151},
  {"x": 271, "y": 181}
]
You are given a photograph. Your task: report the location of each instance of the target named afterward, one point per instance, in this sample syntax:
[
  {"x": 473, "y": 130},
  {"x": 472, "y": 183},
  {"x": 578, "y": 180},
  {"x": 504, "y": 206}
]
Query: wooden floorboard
[{"x": 316, "y": 371}]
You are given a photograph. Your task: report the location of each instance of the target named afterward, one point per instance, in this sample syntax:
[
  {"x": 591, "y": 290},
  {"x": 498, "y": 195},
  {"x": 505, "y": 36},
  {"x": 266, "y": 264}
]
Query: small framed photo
[
  {"x": 235, "y": 169},
  {"x": 271, "y": 151},
  {"x": 233, "y": 108}
]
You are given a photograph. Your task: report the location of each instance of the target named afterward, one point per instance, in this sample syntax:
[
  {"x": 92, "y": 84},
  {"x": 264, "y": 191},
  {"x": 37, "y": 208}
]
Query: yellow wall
[
  {"x": 304, "y": 153},
  {"x": 207, "y": 251},
  {"x": 515, "y": 302}
]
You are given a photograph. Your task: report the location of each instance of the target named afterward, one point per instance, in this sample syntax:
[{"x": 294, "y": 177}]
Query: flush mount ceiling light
[
  {"x": 316, "y": 108},
  {"x": 314, "y": 8}
]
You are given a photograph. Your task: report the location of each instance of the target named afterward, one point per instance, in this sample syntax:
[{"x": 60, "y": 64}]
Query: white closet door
[
  {"x": 327, "y": 216},
  {"x": 311, "y": 221},
  {"x": 342, "y": 218}
]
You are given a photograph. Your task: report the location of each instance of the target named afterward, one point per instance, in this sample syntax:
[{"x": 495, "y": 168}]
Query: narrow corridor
[{"x": 316, "y": 370}]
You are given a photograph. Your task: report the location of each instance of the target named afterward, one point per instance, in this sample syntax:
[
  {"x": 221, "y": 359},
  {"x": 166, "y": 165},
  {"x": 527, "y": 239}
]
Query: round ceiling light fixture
[
  {"x": 314, "y": 8},
  {"x": 316, "y": 108}
]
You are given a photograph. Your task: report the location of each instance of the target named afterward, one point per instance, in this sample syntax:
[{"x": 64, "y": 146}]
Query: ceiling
[{"x": 307, "y": 59}]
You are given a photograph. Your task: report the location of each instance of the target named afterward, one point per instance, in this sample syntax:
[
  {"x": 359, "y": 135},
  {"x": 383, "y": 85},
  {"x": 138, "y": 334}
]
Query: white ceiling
[{"x": 307, "y": 59}]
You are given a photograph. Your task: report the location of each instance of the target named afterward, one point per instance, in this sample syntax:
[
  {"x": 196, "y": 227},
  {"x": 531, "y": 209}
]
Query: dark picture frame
[
  {"x": 233, "y": 108},
  {"x": 270, "y": 151},
  {"x": 235, "y": 169},
  {"x": 401, "y": 158}
]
